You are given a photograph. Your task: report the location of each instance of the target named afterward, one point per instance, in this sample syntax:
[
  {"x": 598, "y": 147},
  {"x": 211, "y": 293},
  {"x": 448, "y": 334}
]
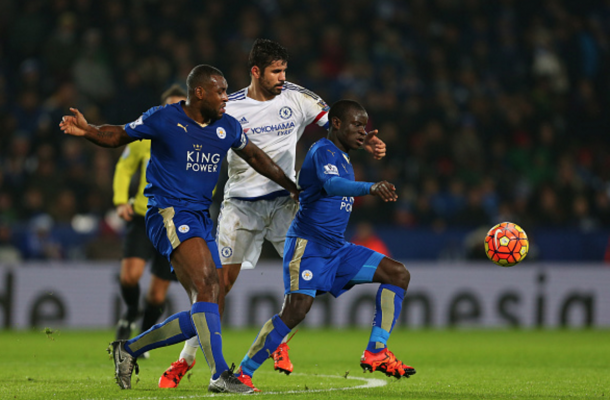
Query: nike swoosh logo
[{"x": 496, "y": 239}]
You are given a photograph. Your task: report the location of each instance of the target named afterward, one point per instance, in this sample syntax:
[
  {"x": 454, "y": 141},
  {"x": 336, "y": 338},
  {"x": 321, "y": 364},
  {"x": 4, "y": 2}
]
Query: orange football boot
[
  {"x": 385, "y": 362},
  {"x": 171, "y": 378}
]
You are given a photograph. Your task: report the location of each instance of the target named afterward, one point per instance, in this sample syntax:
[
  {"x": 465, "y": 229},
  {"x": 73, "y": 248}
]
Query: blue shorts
[
  {"x": 312, "y": 268},
  {"x": 168, "y": 227}
]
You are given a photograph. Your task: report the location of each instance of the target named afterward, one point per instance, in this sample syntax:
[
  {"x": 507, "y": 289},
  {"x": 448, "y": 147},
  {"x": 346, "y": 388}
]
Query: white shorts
[{"x": 244, "y": 225}]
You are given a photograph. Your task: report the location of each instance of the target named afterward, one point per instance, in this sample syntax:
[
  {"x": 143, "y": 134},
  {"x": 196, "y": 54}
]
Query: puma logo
[
  {"x": 331, "y": 152},
  {"x": 182, "y": 126}
]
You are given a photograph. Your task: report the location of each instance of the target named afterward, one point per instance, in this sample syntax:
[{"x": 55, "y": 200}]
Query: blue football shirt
[
  {"x": 185, "y": 157},
  {"x": 322, "y": 218}
]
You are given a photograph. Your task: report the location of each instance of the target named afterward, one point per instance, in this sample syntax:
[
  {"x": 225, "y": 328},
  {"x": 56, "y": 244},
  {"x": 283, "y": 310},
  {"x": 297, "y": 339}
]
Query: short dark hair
[
  {"x": 200, "y": 75},
  {"x": 174, "y": 90},
  {"x": 264, "y": 52},
  {"x": 342, "y": 107}
]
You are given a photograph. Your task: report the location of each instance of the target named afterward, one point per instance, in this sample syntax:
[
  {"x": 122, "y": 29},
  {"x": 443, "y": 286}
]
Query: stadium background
[{"x": 491, "y": 110}]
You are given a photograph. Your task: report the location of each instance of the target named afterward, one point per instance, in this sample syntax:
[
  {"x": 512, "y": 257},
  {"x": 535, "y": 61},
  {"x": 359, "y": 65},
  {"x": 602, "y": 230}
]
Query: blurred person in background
[
  {"x": 9, "y": 253},
  {"x": 365, "y": 236}
]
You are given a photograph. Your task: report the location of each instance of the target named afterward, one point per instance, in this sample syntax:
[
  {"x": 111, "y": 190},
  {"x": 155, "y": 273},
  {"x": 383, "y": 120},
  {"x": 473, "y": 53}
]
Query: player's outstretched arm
[
  {"x": 104, "y": 135},
  {"x": 264, "y": 165},
  {"x": 374, "y": 145},
  {"x": 385, "y": 190}
]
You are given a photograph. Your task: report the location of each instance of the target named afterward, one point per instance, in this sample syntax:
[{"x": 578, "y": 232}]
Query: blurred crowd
[{"x": 492, "y": 110}]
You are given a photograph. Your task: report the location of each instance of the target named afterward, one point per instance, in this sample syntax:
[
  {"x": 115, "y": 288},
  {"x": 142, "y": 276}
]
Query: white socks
[{"x": 189, "y": 351}]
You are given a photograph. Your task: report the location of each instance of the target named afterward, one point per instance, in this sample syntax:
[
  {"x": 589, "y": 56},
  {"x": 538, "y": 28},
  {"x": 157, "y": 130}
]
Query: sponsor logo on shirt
[
  {"x": 221, "y": 133},
  {"x": 279, "y": 129},
  {"x": 330, "y": 169},
  {"x": 202, "y": 162},
  {"x": 243, "y": 120},
  {"x": 307, "y": 275},
  {"x": 182, "y": 126},
  {"x": 285, "y": 112},
  {"x": 347, "y": 204}
]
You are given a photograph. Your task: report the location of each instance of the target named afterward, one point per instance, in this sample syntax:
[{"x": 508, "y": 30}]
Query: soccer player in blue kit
[
  {"x": 317, "y": 258},
  {"x": 189, "y": 140}
]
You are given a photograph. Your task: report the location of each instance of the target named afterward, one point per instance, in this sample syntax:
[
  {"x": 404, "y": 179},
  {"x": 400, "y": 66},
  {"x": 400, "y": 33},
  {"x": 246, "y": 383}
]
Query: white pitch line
[{"x": 369, "y": 384}]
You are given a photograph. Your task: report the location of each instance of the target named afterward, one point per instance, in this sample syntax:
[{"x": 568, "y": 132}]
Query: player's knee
[
  {"x": 394, "y": 273},
  {"x": 401, "y": 276},
  {"x": 156, "y": 297},
  {"x": 129, "y": 279}
]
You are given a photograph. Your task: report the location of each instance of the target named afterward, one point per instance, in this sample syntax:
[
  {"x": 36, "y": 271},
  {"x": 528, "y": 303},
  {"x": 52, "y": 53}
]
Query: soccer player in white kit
[{"x": 274, "y": 114}]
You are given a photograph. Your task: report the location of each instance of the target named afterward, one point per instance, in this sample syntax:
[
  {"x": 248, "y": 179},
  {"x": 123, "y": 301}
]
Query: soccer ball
[{"x": 506, "y": 244}]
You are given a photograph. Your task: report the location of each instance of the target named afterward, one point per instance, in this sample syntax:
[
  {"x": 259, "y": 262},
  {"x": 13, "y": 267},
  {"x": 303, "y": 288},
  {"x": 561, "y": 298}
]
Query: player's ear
[
  {"x": 335, "y": 123},
  {"x": 200, "y": 92},
  {"x": 255, "y": 71}
]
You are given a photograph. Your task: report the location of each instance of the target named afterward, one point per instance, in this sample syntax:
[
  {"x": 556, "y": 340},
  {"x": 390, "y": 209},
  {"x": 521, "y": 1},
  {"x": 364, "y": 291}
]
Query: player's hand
[
  {"x": 295, "y": 196},
  {"x": 125, "y": 211},
  {"x": 374, "y": 145},
  {"x": 385, "y": 190},
  {"x": 75, "y": 125}
]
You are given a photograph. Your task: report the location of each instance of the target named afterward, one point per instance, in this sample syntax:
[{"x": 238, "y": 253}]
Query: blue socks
[
  {"x": 206, "y": 320},
  {"x": 388, "y": 305},
  {"x": 269, "y": 337},
  {"x": 175, "y": 329},
  {"x": 203, "y": 320}
]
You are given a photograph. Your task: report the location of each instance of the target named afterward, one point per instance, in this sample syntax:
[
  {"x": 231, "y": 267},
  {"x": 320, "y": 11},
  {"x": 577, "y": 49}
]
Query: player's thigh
[
  {"x": 283, "y": 211},
  {"x": 240, "y": 232},
  {"x": 195, "y": 270},
  {"x": 355, "y": 265},
  {"x": 185, "y": 237}
]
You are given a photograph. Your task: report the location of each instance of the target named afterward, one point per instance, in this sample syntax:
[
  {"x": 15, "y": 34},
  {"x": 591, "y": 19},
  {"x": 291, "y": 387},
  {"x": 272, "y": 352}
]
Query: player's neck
[
  {"x": 333, "y": 138},
  {"x": 194, "y": 114},
  {"x": 259, "y": 94}
]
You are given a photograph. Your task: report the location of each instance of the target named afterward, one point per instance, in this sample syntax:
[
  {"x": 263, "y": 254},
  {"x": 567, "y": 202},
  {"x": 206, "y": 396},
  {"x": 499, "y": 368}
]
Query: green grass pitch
[{"x": 460, "y": 364}]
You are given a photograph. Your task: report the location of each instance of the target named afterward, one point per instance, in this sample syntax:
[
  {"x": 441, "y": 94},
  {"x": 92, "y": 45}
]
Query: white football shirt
[{"x": 275, "y": 126}]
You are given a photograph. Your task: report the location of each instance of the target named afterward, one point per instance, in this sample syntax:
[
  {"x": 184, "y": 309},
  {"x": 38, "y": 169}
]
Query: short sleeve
[
  {"x": 241, "y": 139},
  {"x": 313, "y": 106},
  {"x": 325, "y": 164},
  {"x": 143, "y": 127}
]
